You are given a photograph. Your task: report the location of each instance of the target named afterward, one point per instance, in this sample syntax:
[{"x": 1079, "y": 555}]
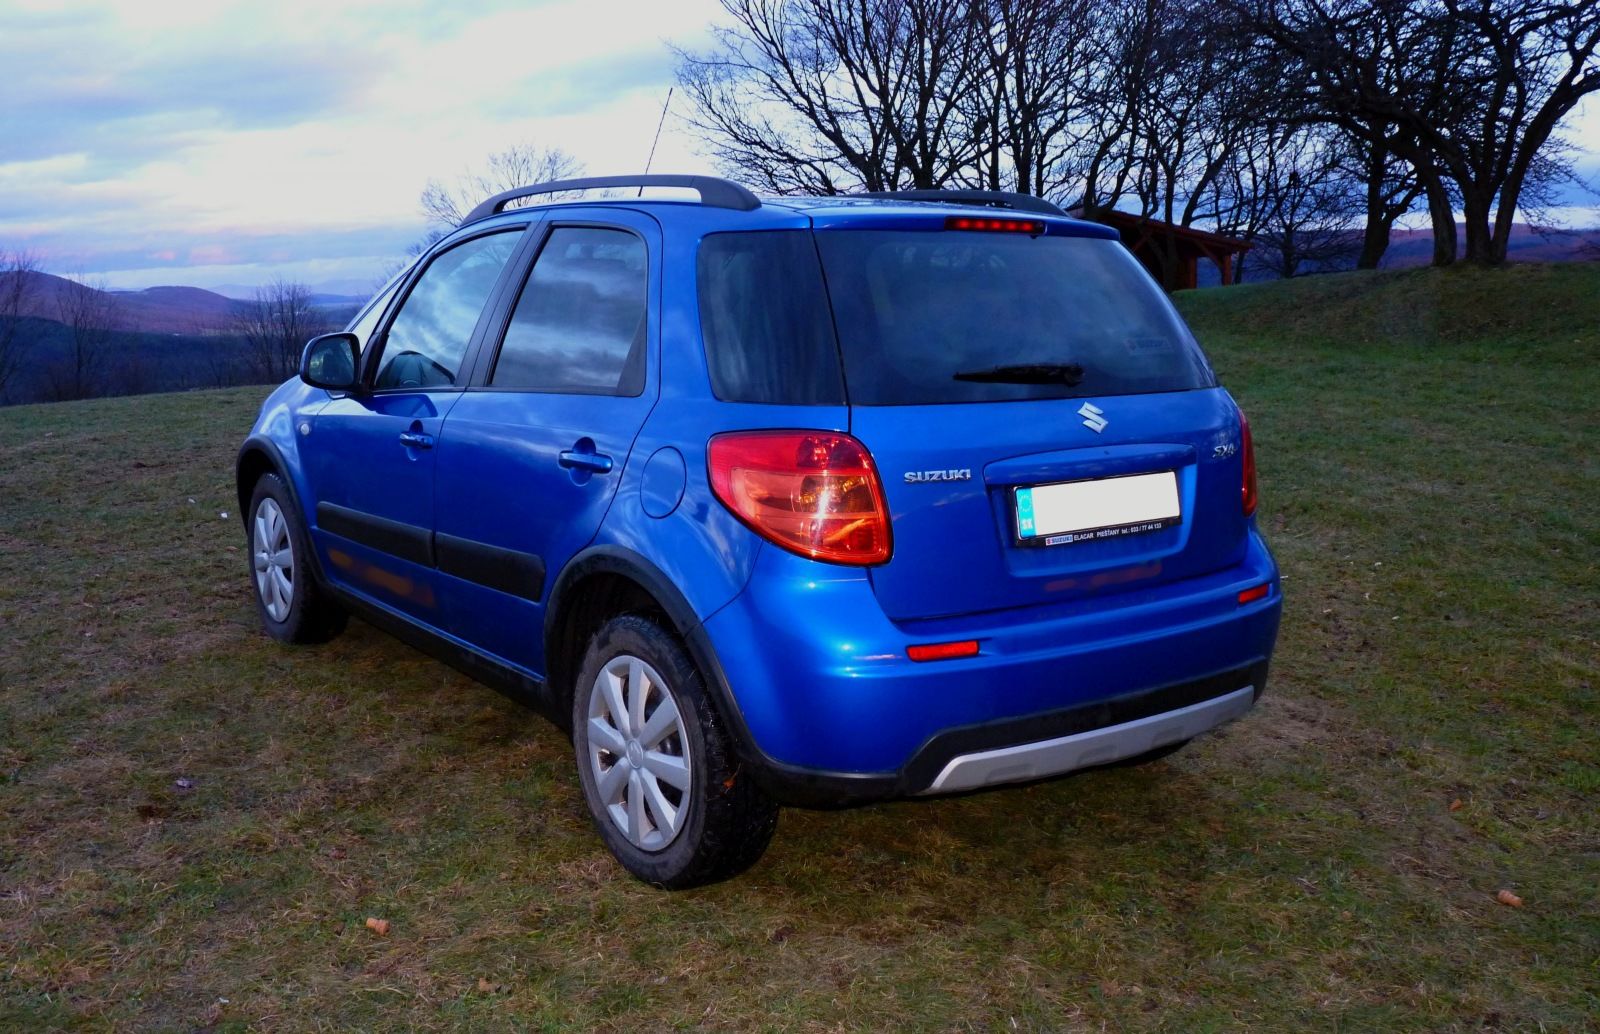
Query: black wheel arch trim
[
  {"x": 256, "y": 444},
  {"x": 788, "y": 784}
]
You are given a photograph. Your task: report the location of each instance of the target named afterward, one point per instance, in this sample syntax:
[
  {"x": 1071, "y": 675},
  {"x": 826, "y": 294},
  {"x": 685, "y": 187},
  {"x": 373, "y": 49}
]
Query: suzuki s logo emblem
[{"x": 1094, "y": 418}]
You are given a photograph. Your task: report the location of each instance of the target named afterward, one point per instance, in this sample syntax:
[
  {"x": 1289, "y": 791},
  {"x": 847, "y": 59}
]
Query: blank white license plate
[{"x": 1087, "y": 511}]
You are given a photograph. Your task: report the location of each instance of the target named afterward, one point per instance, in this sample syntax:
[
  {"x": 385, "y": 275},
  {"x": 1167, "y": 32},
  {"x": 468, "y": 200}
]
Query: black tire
[
  {"x": 313, "y": 615},
  {"x": 728, "y": 822}
]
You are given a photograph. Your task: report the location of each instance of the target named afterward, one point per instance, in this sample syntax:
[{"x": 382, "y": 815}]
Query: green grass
[{"x": 1428, "y": 449}]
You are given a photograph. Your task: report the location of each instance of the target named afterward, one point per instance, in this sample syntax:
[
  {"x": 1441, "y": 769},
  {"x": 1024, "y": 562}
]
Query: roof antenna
[{"x": 651, "y": 160}]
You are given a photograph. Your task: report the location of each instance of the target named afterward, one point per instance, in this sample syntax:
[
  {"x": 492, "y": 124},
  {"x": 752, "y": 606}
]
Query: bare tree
[
  {"x": 1470, "y": 93},
  {"x": 90, "y": 315},
  {"x": 522, "y": 165},
  {"x": 17, "y": 269},
  {"x": 275, "y": 326},
  {"x": 1194, "y": 112},
  {"x": 1306, "y": 203},
  {"x": 831, "y": 96},
  {"x": 1040, "y": 96},
  {"x": 1390, "y": 189}
]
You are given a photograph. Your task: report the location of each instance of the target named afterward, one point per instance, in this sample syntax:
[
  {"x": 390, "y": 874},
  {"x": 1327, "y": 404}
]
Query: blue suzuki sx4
[{"x": 805, "y": 501}]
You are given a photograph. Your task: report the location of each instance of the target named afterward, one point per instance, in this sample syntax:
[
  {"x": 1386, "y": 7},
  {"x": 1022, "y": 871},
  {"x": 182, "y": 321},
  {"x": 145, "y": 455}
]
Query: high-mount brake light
[
  {"x": 815, "y": 493},
  {"x": 1247, "y": 445},
  {"x": 991, "y": 225}
]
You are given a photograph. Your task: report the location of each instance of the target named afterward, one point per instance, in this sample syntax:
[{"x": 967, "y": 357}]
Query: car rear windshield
[{"x": 934, "y": 317}]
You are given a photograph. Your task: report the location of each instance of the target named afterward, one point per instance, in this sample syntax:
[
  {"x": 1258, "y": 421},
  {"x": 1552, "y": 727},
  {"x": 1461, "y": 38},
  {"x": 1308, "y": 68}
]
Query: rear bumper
[
  {"x": 830, "y": 711},
  {"x": 1040, "y": 759}
]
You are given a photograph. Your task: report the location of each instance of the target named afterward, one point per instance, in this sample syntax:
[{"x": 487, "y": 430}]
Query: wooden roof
[{"x": 1144, "y": 226}]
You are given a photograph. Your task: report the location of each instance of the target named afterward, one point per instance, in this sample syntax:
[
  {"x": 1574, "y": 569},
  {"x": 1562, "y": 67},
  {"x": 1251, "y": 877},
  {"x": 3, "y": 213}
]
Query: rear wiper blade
[{"x": 1070, "y": 374}]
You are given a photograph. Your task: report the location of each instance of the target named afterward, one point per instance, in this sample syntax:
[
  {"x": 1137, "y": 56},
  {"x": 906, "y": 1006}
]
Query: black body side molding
[
  {"x": 519, "y": 574},
  {"x": 406, "y": 541}
]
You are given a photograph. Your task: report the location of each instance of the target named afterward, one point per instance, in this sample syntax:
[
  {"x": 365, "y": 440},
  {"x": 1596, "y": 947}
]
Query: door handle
[
  {"x": 573, "y": 460},
  {"x": 416, "y": 440}
]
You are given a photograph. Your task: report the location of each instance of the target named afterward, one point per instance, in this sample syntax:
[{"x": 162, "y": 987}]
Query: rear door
[
  {"x": 531, "y": 456},
  {"x": 369, "y": 457},
  {"x": 984, "y": 364}
]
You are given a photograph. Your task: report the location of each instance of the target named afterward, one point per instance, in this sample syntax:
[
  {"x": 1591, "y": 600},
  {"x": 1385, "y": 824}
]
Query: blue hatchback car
[{"x": 807, "y": 501}]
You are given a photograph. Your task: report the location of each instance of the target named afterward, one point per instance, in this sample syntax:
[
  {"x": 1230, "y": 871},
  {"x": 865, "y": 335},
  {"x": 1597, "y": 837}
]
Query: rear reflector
[
  {"x": 988, "y": 225},
  {"x": 1254, "y": 593},
  {"x": 815, "y": 493},
  {"x": 943, "y": 651}
]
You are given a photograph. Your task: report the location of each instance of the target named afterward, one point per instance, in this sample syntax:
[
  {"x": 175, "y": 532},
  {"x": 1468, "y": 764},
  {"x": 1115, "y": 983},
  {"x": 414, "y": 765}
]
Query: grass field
[{"x": 195, "y": 822}]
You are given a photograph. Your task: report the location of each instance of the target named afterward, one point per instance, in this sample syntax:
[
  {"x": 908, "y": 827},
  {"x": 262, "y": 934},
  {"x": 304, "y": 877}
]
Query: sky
[{"x": 225, "y": 143}]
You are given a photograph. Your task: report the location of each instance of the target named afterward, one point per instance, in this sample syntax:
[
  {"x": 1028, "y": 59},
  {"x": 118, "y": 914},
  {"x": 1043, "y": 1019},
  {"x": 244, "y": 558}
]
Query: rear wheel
[
  {"x": 663, "y": 784},
  {"x": 294, "y": 608}
]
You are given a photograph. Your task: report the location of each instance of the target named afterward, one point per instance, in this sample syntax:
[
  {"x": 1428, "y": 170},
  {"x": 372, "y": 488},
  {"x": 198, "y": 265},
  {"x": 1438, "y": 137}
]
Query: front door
[
  {"x": 369, "y": 457},
  {"x": 532, "y": 454}
]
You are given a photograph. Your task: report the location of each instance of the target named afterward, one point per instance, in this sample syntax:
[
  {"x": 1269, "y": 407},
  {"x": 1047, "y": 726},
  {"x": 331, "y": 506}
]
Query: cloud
[
  {"x": 137, "y": 138},
  {"x": 133, "y": 129}
]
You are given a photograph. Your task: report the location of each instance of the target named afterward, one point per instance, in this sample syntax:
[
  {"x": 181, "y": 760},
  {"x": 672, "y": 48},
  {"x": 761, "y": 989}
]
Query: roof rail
[
  {"x": 992, "y": 198},
  {"x": 718, "y": 193}
]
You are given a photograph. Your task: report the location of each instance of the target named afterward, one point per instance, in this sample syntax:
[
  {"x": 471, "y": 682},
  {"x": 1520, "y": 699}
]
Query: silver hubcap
[
  {"x": 274, "y": 559},
  {"x": 638, "y": 753}
]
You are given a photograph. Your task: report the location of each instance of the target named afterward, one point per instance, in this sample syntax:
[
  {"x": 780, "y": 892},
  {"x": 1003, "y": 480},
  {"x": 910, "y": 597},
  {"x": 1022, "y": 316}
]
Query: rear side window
[
  {"x": 426, "y": 340},
  {"x": 915, "y": 309},
  {"x": 579, "y": 325},
  {"x": 764, "y": 317}
]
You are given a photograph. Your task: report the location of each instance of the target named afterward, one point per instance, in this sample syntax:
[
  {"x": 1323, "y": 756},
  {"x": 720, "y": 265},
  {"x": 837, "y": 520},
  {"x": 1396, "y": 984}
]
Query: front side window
[
  {"x": 365, "y": 323},
  {"x": 428, "y": 337},
  {"x": 579, "y": 325}
]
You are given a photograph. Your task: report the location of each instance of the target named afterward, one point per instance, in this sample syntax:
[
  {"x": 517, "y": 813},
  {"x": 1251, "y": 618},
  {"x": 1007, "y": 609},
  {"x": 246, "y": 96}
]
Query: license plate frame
[{"x": 1107, "y": 508}]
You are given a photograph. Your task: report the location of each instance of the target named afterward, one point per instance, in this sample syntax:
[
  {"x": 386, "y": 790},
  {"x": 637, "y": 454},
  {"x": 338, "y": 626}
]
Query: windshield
[{"x": 943, "y": 317}]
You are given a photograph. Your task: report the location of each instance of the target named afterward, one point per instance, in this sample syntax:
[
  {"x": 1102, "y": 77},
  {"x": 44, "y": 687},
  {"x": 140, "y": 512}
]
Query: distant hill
[
  {"x": 154, "y": 310},
  {"x": 1411, "y": 248},
  {"x": 1527, "y": 244},
  {"x": 347, "y": 290}
]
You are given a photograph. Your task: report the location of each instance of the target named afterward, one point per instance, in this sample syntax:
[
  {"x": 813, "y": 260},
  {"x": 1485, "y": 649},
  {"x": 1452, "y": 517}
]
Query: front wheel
[
  {"x": 663, "y": 784},
  {"x": 294, "y": 608}
]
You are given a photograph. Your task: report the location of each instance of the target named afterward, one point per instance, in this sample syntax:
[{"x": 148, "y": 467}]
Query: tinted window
[
  {"x": 579, "y": 325},
  {"x": 363, "y": 325},
  {"x": 764, "y": 316},
  {"x": 429, "y": 336},
  {"x": 915, "y": 309}
]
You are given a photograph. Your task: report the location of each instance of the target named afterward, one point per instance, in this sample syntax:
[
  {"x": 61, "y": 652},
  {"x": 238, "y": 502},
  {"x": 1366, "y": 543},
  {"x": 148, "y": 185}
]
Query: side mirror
[{"x": 331, "y": 362}]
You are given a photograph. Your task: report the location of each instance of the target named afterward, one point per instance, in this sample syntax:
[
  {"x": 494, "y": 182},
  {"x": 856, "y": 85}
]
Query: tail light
[
  {"x": 815, "y": 493},
  {"x": 1247, "y": 446}
]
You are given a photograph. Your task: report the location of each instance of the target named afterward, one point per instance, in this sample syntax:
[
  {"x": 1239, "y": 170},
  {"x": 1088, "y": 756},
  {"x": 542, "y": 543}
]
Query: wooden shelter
[{"x": 1172, "y": 253}]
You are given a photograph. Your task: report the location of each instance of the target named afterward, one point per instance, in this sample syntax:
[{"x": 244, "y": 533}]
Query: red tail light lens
[
  {"x": 815, "y": 493},
  {"x": 1255, "y": 592},
  {"x": 990, "y": 225},
  {"x": 1248, "y": 447}
]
